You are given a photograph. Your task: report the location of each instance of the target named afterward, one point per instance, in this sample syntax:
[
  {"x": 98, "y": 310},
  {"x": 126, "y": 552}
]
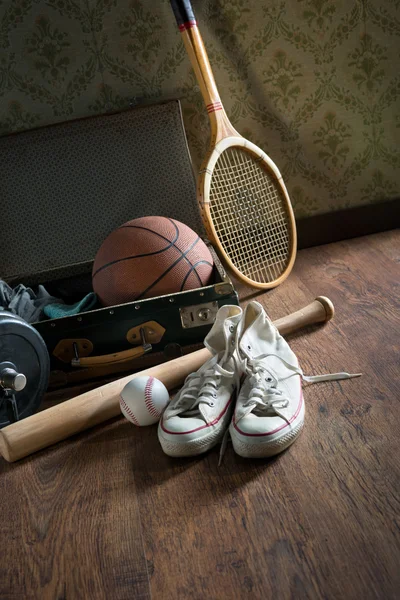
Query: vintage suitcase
[{"x": 64, "y": 188}]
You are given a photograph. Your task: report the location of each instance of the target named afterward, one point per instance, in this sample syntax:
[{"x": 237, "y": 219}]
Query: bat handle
[{"x": 319, "y": 311}]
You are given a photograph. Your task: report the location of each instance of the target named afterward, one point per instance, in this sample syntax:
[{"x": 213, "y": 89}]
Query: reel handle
[{"x": 10, "y": 379}]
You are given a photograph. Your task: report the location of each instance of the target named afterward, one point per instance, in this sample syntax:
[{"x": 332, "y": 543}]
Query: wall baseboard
[{"x": 349, "y": 223}]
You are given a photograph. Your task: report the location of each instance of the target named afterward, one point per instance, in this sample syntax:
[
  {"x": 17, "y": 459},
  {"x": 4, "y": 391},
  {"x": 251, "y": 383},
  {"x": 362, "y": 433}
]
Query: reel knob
[{"x": 10, "y": 379}]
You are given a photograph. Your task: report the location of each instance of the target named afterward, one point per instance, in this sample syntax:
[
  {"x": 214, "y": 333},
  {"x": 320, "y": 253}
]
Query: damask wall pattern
[{"x": 314, "y": 82}]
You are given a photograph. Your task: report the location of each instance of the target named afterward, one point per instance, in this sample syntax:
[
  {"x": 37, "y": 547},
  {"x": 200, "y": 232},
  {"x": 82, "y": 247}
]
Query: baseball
[{"x": 143, "y": 400}]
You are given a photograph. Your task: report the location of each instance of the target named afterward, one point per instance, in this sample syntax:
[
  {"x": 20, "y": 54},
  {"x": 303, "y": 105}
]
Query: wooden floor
[{"x": 107, "y": 515}]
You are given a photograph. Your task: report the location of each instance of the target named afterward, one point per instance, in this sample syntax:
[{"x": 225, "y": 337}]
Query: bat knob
[{"x": 328, "y": 306}]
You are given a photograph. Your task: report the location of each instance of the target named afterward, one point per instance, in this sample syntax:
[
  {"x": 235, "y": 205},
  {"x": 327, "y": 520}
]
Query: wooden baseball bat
[{"x": 97, "y": 406}]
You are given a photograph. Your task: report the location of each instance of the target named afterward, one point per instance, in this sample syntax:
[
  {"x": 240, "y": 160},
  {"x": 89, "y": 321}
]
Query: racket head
[{"x": 247, "y": 212}]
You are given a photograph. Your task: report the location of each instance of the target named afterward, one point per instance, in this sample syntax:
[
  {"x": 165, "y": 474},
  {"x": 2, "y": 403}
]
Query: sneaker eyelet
[
  {"x": 212, "y": 404},
  {"x": 269, "y": 378},
  {"x": 248, "y": 347},
  {"x": 231, "y": 328}
]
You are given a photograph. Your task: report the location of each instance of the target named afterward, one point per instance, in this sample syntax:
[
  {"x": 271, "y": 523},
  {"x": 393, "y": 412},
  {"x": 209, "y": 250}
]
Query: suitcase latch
[{"x": 198, "y": 314}]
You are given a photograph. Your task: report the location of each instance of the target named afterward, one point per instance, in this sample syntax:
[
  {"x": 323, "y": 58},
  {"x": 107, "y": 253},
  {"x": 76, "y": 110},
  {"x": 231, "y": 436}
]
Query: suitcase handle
[
  {"x": 116, "y": 357},
  {"x": 111, "y": 359},
  {"x": 73, "y": 350}
]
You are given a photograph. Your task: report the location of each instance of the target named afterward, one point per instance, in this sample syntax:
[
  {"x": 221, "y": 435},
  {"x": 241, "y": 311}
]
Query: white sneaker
[
  {"x": 269, "y": 413},
  {"x": 196, "y": 419}
]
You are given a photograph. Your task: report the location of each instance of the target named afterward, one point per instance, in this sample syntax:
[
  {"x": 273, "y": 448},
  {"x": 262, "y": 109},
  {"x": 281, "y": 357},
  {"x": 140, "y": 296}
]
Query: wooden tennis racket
[{"x": 243, "y": 200}]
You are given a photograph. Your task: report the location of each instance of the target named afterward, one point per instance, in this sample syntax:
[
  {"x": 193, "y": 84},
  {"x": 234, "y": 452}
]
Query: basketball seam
[
  {"x": 193, "y": 269},
  {"x": 164, "y": 238},
  {"x": 170, "y": 244},
  {"x": 168, "y": 270}
]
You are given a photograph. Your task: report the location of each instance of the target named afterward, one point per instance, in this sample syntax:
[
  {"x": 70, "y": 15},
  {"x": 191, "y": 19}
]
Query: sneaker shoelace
[
  {"x": 202, "y": 387},
  {"x": 266, "y": 397}
]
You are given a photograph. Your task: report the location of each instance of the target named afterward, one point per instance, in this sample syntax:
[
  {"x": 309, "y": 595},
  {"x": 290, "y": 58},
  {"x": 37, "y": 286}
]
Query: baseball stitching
[
  {"x": 147, "y": 398},
  {"x": 128, "y": 410}
]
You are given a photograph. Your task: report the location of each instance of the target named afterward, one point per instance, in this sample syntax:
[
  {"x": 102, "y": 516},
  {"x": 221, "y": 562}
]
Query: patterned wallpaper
[{"x": 313, "y": 82}]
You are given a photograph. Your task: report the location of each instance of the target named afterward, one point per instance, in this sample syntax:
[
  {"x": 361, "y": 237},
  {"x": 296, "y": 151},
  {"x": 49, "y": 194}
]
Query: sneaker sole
[
  {"x": 264, "y": 449},
  {"x": 192, "y": 447}
]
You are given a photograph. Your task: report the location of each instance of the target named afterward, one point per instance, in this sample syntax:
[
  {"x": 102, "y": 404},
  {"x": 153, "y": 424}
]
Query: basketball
[{"x": 149, "y": 257}]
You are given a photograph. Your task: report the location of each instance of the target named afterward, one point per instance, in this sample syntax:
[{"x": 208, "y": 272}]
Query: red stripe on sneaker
[
  {"x": 202, "y": 426},
  {"x": 278, "y": 428}
]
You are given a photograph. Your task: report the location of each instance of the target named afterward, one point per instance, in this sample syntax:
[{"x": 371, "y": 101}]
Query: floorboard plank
[
  {"x": 71, "y": 520},
  {"x": 328, "y": 505},
  {"x": 108, "y": 515},
  {"x": 388, "y": 243}
]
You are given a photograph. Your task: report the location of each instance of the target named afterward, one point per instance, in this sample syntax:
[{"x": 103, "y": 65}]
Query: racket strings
[{"x": 248, "y": 212}]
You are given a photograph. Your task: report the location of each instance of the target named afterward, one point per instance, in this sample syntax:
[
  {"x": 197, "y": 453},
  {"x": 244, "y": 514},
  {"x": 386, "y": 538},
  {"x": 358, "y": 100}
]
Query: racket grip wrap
[{"x": 184, "y": 14}]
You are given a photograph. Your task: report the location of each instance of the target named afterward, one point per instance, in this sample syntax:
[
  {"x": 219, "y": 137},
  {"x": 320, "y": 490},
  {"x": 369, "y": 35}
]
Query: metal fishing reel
[{"x": 24, "y": 369}]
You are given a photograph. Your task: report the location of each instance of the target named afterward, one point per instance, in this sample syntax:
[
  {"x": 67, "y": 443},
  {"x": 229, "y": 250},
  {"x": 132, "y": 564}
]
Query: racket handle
[
  {"x": 319, "y": 311},
  {"x": 183, "y": 12}
]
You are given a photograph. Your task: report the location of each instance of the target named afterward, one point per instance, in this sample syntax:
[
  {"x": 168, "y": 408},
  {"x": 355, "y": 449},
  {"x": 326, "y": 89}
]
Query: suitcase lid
[{"x": 65, "y": 187}]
